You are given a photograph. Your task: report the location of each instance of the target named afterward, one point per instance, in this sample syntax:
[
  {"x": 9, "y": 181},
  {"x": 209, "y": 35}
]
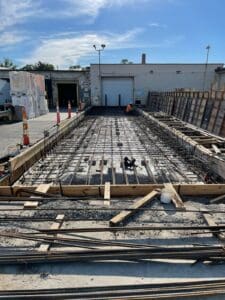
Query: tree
[
  {"x": 75, "y": 67},
  {"x": 39, "y": 66},
  {"x": 7, "y": 63},
  {"x": 125, "y": 61}
]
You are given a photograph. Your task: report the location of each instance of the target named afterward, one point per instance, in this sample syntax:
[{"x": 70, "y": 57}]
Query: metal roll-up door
[{"x": 117, "y": 91}]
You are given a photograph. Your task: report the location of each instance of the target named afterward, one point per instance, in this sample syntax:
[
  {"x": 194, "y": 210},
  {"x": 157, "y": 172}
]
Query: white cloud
[
  {"x": 157, "y": 25},
  {"x": 92, "y": 7},
  {"x": 16, "y": 11},
  {"x": 64, "y": 51},
  {"x": 11, "y": 38}
]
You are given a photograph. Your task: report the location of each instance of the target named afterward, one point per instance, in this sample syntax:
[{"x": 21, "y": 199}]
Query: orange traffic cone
[
  {"x": 69, "y": 109},
  {"x": 26, "y": 139},
  {"x": 57, "y": 115}
]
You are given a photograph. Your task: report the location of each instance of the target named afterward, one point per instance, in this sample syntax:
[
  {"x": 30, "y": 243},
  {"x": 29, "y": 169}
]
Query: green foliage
[
  {"x": 75, "y": 67},
  {"x": 7, "y": 63},
  {"x": 39, "y": 66},
  {"x": 125, "y": 61}
]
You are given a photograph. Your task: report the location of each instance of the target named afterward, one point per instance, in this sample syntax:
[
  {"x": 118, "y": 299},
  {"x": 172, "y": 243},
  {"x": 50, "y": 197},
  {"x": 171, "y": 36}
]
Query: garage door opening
[
  {"x": 66, "y": 92},
  {"x": 117, "y": 91}
]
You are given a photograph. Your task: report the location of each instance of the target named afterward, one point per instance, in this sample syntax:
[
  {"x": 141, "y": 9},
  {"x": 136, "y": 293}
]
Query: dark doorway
[
  {"x": 48, "y": 89},
  {"x": 66, "y": 92}
]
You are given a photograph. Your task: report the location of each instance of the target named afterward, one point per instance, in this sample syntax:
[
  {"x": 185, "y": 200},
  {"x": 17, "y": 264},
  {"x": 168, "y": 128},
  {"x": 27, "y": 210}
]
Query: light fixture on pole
[
  {"x": 99, "y": 50},
  {"x": 206, "y": 66}
]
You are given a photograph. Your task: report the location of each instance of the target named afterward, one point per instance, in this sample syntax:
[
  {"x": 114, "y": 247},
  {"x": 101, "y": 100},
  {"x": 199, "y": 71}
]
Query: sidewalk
[{"x": 11, "y": 134}]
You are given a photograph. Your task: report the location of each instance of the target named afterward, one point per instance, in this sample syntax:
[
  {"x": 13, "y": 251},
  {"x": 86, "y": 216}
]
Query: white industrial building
[{"x": 119, "y": 84}]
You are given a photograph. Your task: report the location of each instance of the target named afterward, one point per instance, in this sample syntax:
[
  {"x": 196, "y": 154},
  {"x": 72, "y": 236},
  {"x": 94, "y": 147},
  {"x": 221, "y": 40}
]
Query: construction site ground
[
  {"x": 79, "y": 217},
  {"x": 75, "y": 274},
  {"x": 12, "y": 134}
]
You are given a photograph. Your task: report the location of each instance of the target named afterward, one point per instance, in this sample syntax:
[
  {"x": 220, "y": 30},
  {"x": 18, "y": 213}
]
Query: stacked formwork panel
[
  {"x": 203, "y": 109},
  {"x": 28, "y": 90}
]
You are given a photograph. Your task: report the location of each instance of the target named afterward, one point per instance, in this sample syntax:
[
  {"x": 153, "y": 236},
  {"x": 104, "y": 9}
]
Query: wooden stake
[{"x": 176, "y": 199}]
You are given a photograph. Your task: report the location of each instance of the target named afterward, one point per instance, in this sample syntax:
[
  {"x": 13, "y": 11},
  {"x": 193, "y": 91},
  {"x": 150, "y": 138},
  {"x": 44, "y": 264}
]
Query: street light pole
[
  {"x": 206, "y": 66},
  {"x": 99, "y": 50}
]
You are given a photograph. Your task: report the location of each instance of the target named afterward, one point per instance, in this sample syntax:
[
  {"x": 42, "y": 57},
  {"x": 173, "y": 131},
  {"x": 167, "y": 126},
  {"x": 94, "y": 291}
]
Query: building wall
[
  {"x": 81, "y": 78},
  {"x": 153, "y": 77}
]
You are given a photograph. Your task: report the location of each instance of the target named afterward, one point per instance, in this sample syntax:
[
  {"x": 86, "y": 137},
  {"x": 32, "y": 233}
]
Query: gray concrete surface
[
  {"x": 12, "y": 134},
  {"x": 67, "y": 275}
]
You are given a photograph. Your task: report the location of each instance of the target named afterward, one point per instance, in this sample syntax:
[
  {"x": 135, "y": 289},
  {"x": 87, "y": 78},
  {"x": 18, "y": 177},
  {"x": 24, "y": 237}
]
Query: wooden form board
[
  {"x": 222, "y": 130},
  {"x": 219, "y": 119},
  {"x": 188, "y": 110},
  {"x": 178, "y": 100},
  {"x": 181, "y": 108},
  {"x": 124, "y": 215},
  {"x": 207, "y": 113},
  {"x": 170, "y": 108},
  {"x": 122, "y": 190},
  {"x": 183, "y": 111},
  {"x": 201, "y": 112},
  {"x": 196, "y": 112},
  {"x": 216, "y": 106},
  {"x": 192, "y": 110}
]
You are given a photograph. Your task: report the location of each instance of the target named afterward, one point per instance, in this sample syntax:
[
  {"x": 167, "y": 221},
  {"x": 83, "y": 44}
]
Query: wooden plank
[
  {"x": 192, "y": 110},
  {"x": 30, "y": 204},
  {"x": 44, "y": 247},
  {"x": 124, "y": 215},
  {"x": 214, "y": 113},
  {"x": 206, "y": 141},
  {"x": 209, "y": 220},
  {"x": 201, "y": 112},
  {"x": 196, "y": 112},
  {"x": 176, "y": 199},
  {"x": 42, "y": 188},
  {"x": 207, "y": 113},
  {"x": 217, "y": 199},
  {"x": 107, "y": 193}
]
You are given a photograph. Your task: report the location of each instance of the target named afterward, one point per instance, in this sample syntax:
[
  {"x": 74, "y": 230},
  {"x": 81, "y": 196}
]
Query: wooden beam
[
  {"x": 209, "y": 220},
  {"x": 124, "y": 215},
  {"x": 176, "y": 199}
]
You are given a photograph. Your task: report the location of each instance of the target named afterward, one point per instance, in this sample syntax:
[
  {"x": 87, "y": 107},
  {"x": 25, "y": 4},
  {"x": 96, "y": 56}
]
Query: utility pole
[
  {"x": 99, "y": 50},
  {"x": 206, "y": 66}
]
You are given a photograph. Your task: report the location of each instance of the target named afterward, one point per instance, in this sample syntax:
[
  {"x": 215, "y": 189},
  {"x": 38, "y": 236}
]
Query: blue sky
[{"x": 62, "y": 32}]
